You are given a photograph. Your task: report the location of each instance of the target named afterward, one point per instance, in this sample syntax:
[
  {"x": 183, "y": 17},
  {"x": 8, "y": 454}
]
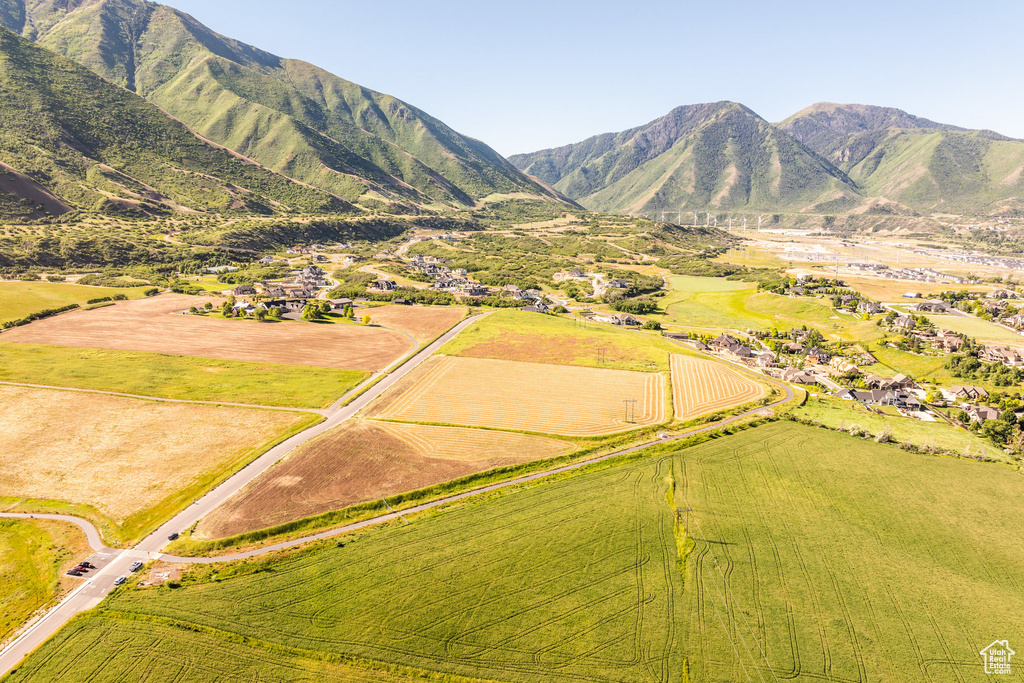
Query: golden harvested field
[
  {"x": 152, "y": 325},
  {"x": 120, "y": 455},
  {"x": 364, "y": 461},
  {"x": 423, "y": 322},
  {"x": 703, "y": 386},
  {"x": 551, "y": 399}
]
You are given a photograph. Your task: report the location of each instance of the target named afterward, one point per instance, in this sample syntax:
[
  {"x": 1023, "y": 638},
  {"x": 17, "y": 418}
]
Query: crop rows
[{"x": 702, "y": 386}]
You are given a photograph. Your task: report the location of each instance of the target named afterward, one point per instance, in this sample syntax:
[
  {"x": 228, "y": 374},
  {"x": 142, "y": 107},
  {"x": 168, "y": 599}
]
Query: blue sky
[{"x": 532, "y": 74}]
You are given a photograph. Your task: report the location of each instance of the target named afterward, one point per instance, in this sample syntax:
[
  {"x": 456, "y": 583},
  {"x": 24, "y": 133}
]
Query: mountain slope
[
  {"x": 707, "y": 156},
  {"x": 926, "y": 166},
  {"x": 288, "y": 115},
  {"x": 71, "y": 139}
]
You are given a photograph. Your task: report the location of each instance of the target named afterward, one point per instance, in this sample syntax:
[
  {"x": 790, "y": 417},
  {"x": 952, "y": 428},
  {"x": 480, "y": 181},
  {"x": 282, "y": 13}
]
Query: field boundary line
[{"x": 320, "y": 411}]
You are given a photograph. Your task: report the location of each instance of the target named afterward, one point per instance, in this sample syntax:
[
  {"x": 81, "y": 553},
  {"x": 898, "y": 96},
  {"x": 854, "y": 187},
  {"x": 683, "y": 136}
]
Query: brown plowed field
[
  {"x": 119, "y": 455},
  {"x": 553, "y": 399},
  {"x": 703, "y": 386},
  {"x": 423, "y": 322},
  {"x": 151, "y": 325},
  {"x": 365, "y": 461}
]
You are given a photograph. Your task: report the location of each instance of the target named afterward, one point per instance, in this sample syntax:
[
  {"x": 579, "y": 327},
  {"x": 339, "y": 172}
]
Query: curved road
[{"x": 96, "y": 588}]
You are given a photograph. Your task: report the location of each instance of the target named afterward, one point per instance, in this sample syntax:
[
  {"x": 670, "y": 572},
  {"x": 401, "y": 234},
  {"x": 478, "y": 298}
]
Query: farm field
[
  {"x": 33, "y": 558},
  {"x": 814, "y": 556},
  {"x": 151, "y": 325},
  {"x": 840, "y": 414},
  {"x": 892, "y": 291},
  {"x": 423, "y": 322},
  {"x": 366, "y": 461},
  {"x": 18, "y": 299},
  {"x": 532, "y": 338},
  {"x": 979, "y": 329},
  {"x": 550, "y": 399},
  {"x": 703, "y": 386},
  {"x": 179, "y": 377},
  {"x": 717, "y": 304},
  {"x": 129, "y": 460}
]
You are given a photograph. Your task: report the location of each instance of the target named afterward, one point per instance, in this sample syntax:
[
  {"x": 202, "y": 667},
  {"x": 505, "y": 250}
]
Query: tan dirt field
[
  {"x": 152, "y": 325},
  {"x": 423, "y": 322},
  {"x": 365, "y": 461},
  {"x": 117, "y": 454},
  {"x": 551, "y": 399},
  {"x": 703, "y": 386}
]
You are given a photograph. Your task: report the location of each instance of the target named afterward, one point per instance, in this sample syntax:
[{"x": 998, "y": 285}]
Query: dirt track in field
[
  {"x": 703, "y": 386},
  {"x": 550, "y": 399},
  {"x": 152, "y": 325},
  {"x": 365, "y": 461},
  {"x": 118, "y": 454}
]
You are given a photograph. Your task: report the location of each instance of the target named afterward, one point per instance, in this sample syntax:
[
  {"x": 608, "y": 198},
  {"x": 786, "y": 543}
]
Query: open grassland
[
  {"x": 703, "y": 386},
  {"x": 132, "y": 461},
  {"x": 18, "y": 299},
  {"x": 931, "y": 368},
  {"x": 550, "y": 399},
  {"x": 366, "y": 461},
  {"x": 33, "y": 558},
  {"x": 840, "y": 414},
  {"x": 423, "y": 322},
  {"x": 576, "y": 580},
  {"x": 151, "y": 325},
  {"x": 179, "y": 377},
  {"x": 822, "y": 557},
  {"x": 982, "y": 330},
  {"x": 893, "y": 290},
  {"x": 751, "y": 258},
  {"x": 717, "y": 304},
  {"x": 811, "y": 556},
  {"x": 519, "y": 336}
]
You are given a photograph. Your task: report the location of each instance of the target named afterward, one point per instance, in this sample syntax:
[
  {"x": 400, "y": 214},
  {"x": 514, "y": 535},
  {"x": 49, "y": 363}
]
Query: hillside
[
  {"x": 72, "y": 140},
  {"x": 719, "y": 156},
  {"x": 897, "y": 158},
  {"x": 288, "y": 115}
]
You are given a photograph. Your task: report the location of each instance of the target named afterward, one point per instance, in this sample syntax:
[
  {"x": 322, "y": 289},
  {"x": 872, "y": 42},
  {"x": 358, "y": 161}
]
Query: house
[
  {"x": 847, "y": 300},
  {"x": 948, "y": 341},
  {"x": 1015, "y": 321},
  {"x": 460, "y": 272},
  {"x": 320, "y": 258},
  {"x": 884, "y": 383},
  {"x": 576, "y": 272},
  {"x": 474, "y": 290},
  {"x": 267, "y": 259},
  {"x": 981, "y": 413},
  {"x": 625, "y": 319},
  {"x": 817, "y": 356},
  {"x": 274, "y": 291},
  {"x": 537, "y": 307},
  {"x": 841, "y": 366},
  {"x": 1002, "y": 294},
  {"x": 930, "y": 307},
  {"x": 1001, "y": 354},
  {"x": 678, "y": 336},
  {"x": 618, "y": 284},
  {"x": 793, "y": 347},
  {"x": 243, "y": 308},
  {"x": 340, "y": 304},
  {"x": 904, "y": 323},
  {"x": 724, "y": 341},
  {"x": 401, "y": 302},
  {"x": 701, "y": 346},
  {"x": 766, "y": 359},
  {"x": 968, "y": 392},
  {"x": 244, "y": 290},
  {"x": 903, "y": 382},
  {"x": 869, "y": 307},
  {"x": 795, "y": 376},
  {"x": 295, "y": 305},
  {"x": 384, "y": 285}
]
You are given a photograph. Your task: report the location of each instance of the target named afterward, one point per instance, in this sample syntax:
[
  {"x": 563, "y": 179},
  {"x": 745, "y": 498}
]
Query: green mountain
[
  {"x": 719, "y": 156},
  {"x": 72, "y": 140},
  {"x": 288, "y": 115},
  {"x": 899, "y": 159}
]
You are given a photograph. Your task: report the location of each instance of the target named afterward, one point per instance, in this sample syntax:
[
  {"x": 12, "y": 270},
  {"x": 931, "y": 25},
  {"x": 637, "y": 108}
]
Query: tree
[
  {"x": 349, "y": 313},
  {"x": 366, "y": 318},
  {"x": 325, "y": 307},
  {"x": 261, "y": 314},
  {"x": 275, "y": 312},
  {"x": 225, "y": 308},
  {"x": 208, "y": 306},
  {"x": 311, "y": 312},
  {"x": 651, "y": 325},
  {"x": 193, "y": 310}
]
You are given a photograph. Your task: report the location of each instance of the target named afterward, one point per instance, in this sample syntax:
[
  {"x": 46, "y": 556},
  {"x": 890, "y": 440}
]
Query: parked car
[
  {"x": 136, "y": 566},
  {"x": 81, "y": 568},
  {"x": 74, "y": 572},
  {"x": 173, "y": 537},
  {"x": 88, "y": 565},
  {"x": 119, "y": 580}
]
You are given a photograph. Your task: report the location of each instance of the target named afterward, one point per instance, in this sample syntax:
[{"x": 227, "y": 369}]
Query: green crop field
[
  {"x": 32, "y": 556},
  {"x": 514, "y": 335},
  {"x": 180, "y": 377},
  {"x": 717, "y": 304},
  {"x": 814, "y": 556},
  {"x": 18, "y": 299}
]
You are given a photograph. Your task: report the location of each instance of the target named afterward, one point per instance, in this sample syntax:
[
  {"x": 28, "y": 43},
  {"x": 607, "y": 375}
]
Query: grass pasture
[
  {"x": 982, "y": 330},
  {"x": 179, "y": 377},
  {"x": 812, "y": 556},
  {"x": 34, "y": 554},
  {"x": 532, "y": 397},
  {"x": 18, "y": 299},
  {"x": 528, "y": 337},
  {"x": 131, "y": 461},
  {"x": 153, "y": 325},
  {"x": 703, "y": 386},
  {"x": 365, "y": 461}
]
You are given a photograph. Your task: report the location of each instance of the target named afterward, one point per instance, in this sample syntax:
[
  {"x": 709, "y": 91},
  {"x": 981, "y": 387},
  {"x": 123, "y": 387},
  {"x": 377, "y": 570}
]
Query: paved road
[
  {"x": 92, "y": 534},
  {"x": 98, "y": 586}
]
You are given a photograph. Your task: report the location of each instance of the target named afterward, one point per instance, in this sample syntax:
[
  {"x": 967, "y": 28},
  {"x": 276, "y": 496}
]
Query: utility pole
[
  {"x": 686, "y": 518},
  {"x": 695, "y": 219},
  {"x": 630, "y": 402}
]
